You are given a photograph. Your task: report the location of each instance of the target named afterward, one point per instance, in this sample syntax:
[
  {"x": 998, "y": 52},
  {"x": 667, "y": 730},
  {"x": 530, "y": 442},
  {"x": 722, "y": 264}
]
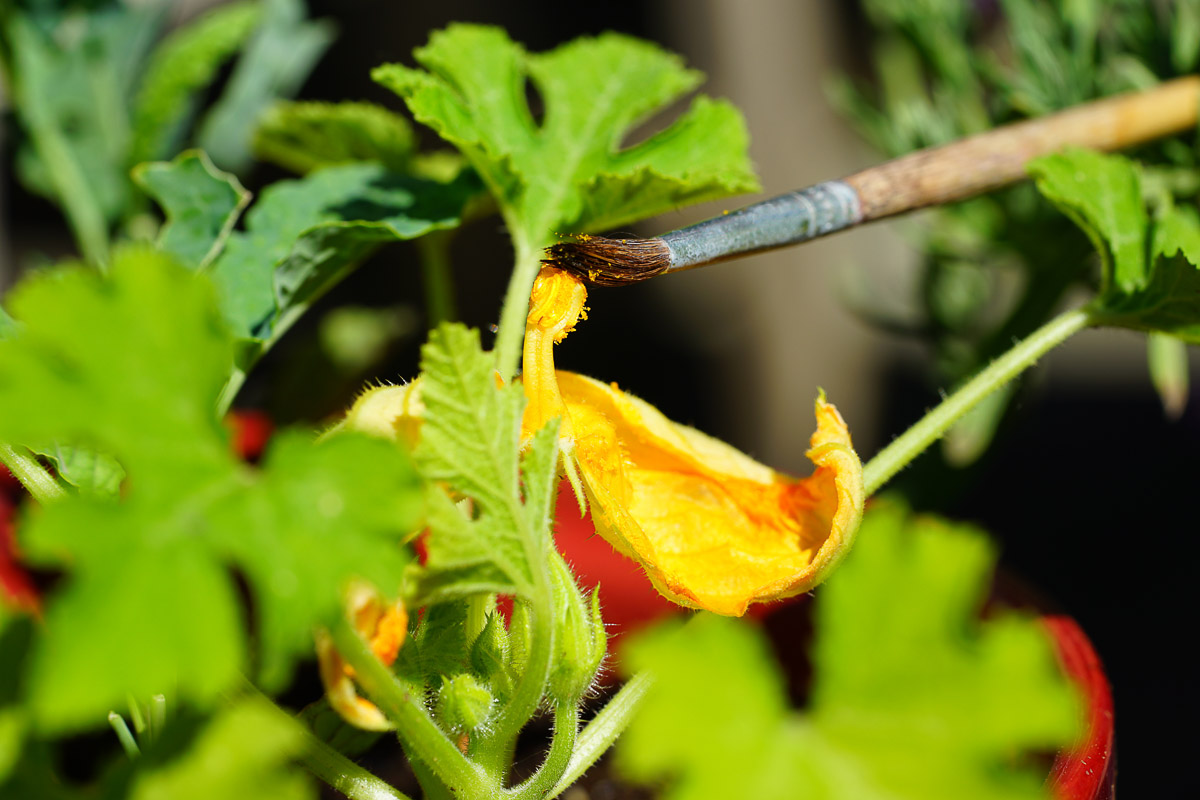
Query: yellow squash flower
[{"x": 712, "y": 528}]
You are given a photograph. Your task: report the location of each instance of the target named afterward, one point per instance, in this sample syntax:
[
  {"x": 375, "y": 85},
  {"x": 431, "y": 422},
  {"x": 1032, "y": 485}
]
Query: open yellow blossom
[
  {"x": 384, "y": 627},
  {"x": 713, "y": 528}
]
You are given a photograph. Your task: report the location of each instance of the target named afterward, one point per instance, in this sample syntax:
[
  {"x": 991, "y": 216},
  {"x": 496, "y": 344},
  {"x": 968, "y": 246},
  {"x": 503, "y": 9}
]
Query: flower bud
[
  {"x": 463, "y": 703},
  {"x": 579, "y": 637}
]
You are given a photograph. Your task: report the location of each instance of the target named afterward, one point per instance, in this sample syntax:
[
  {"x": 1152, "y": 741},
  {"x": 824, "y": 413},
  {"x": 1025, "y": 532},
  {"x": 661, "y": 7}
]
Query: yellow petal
[
  {"x": 384, "y": 627},
  {"x": 713, "y": 528}
]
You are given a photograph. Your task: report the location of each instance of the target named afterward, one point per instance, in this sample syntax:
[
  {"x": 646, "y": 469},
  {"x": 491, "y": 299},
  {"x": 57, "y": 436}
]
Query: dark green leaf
[
  {"x": 274, "y": 65},
  {"x": 303, "y": 137},
  {"x": 183, "y": 64},
  {"x": 304, "y": 235},
  {"x": 201, "y": 203},
  {"x": 572, "y": 173}
]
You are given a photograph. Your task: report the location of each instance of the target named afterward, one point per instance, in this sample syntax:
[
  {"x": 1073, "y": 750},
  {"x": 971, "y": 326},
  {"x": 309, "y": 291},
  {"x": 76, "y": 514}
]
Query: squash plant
[{"x": 180, "y": 587}]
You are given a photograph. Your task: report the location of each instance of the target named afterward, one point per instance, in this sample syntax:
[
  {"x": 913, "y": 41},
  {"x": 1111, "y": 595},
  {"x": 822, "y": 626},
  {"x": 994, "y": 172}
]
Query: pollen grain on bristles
[{"x": 610, "y": 262}]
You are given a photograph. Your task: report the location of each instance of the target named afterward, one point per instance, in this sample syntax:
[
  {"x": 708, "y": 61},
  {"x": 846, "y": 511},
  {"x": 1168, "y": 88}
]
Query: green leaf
[
  {"x": 183, "y": 64},
  {"x": 132, "y": 365},
  {"x": 913, "y": 697},
  {"x": 278, "y": 58},
  {"x": 7, "y": 326},
  {"x": 303, "y": 137},
  {"x": 470, "y": 440},
  {"x": 88, "y": 471},
  {"x": 303, "y": 236},
  {"x": 201, "y": 203},
  {"x": 1102, "y": 195},
  {"x": 573, "y": 172},
  {"x": 249, "y": 750}
]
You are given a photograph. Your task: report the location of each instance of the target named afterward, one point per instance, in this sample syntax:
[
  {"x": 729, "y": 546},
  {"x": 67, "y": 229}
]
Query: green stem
[
  {"x": 42, "y": 486},
  {"x": 420, "y": 733},
  {"x": 330, "y": 765},
  {"x": 934, "y": 424},
  {"x": 566, "y": 728},
  {"x": 434, "y": 251},
  {"x": 117, "y": 723},
  {"x": 511, "y": 333},
  {"x": 603, "y": 730}
]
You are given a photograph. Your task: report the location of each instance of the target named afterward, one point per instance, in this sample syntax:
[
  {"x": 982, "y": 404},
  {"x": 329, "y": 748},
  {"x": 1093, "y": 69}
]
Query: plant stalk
[
  {"x": 511, "y": 333},
  {"x": 420, "y": 733},
  {"x": 910, "y": 444},
  {"x": 566, "y": 728},
  {"x": 41, "y": 485}
]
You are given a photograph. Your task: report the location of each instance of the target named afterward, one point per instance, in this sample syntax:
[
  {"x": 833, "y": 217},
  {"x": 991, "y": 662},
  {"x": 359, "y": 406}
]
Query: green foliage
[
  {"x": 572, "y": 171},
  {"x": 149, "y": 604},
  {"x": 303, "y": 236},
  {"x": 470, "y": 442},
  {"x": 183, "y": 64},
  {"x": 246, "y": 750},
  {"x": 201, "y": 204},
  {"x": 275, "y": 63},
  {"x": 303, "y": 137},
  {"x": 912, "y": 696}
]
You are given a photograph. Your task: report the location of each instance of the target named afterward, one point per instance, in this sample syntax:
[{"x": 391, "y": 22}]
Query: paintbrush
[{"x": 956, "y": 171}]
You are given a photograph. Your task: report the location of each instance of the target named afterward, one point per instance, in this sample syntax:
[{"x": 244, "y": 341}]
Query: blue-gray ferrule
[{"x": 791, "y": 218}]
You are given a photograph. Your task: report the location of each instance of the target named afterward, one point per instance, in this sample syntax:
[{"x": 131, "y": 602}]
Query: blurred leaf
[
  {"x": 274, "y": 65},
  {"x": 571, "y": 173},
  {"x": 89, "y": 471},
  {"x": 7, "y": 326},
  {"x": 303, "y": 137},
  {"x": 148, "y": 603},
  {"x": 969, "y": 438},
  {"x": 183, "y": 64},
  {"x": 248, "y": 750},
  {"x": 302, "y": 236},
  {"x": 1185, "y": 35},
  {"x": 1102, "y": 195},
  {"x": 201, "y": 204},
  {"x": 912, "y": 696},
  {"x": 1167, "y": 359}
]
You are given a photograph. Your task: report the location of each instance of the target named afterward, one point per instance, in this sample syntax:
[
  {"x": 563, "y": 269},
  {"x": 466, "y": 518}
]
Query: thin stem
[
  {"x": 330, "y": 765},
  {"x": 418, "y": 730},
  {"x": 934, "y": 424},
  {"x": 42, "y": 486},
  {"x": 434, "y": 251},
  {"x": 117, "y": 723},
  {"x": 511, "y": 332},
  {"x": 603, "y": 730},
  {"x": 566, "y": 728}
]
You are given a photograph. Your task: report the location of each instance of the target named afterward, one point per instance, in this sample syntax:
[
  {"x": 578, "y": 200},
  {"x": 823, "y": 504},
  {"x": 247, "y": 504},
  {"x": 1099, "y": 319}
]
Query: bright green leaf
[
  {"x": 274, "y": 65},
  {"x": 183, "y": 64},
  {"x": 912, "y": 696},
  {"x": 303, "y": 137},
  {"x": 470, "y": 439},
  {"x": 7, "y": 326},
  {"x": 573, "y": 172},
  {"x": 1102, "y": 195},
  {"x": 201, "y": 203},
  {"x": 249, "y": 750},
  {"x": 304, "y": 235},
  {"x": 148, "y": 603},
  {"x": 89, "y": 471}
]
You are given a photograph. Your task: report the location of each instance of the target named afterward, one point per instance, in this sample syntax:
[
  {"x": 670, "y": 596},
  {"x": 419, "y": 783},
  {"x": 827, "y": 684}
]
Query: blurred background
[{"x": 1086, "y": 480}]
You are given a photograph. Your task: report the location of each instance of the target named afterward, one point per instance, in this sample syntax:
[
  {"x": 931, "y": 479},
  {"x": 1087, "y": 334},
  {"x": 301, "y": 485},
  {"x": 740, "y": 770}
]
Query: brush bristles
[{"x": 610, "y": 262}]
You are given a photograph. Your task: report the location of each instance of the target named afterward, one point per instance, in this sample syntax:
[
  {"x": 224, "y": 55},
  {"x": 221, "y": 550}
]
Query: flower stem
[
  {"x": 41, "y": 485},
  {"x": 566, "y": 728},
  {"x": 511, "y": 332},
  {"x": 421, "y": 735},
  {"x": 434, "y": 251},
  {"x": 603, "y": 730},
  {"x": 887, "y": 462}
]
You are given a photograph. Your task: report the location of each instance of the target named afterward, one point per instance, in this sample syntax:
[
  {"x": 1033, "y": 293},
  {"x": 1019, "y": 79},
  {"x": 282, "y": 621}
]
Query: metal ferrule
[{"x": 791, "y": 218}]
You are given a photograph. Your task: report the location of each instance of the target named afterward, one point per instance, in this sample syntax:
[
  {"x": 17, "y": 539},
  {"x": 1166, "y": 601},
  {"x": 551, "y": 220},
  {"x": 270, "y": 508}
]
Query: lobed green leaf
[
  {"x": 201, "y": 204},
  {"x": 303, "y": 137}
]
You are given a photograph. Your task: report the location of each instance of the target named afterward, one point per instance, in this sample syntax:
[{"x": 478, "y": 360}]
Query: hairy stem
[
  {"x": 566, "y": 727},
  {"x": 434, "y": 251},
  {"x": 41, "y": 485},
  {"x": 934, "y": 424},
  {"x": 511, "y": 333},
  {"x": 421, "y": 735},
  {"x": 603, "y": 730}
]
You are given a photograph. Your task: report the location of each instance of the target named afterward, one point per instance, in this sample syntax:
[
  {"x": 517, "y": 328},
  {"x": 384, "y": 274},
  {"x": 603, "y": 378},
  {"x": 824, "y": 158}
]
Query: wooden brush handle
[{"x": 981, "y": 163}]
